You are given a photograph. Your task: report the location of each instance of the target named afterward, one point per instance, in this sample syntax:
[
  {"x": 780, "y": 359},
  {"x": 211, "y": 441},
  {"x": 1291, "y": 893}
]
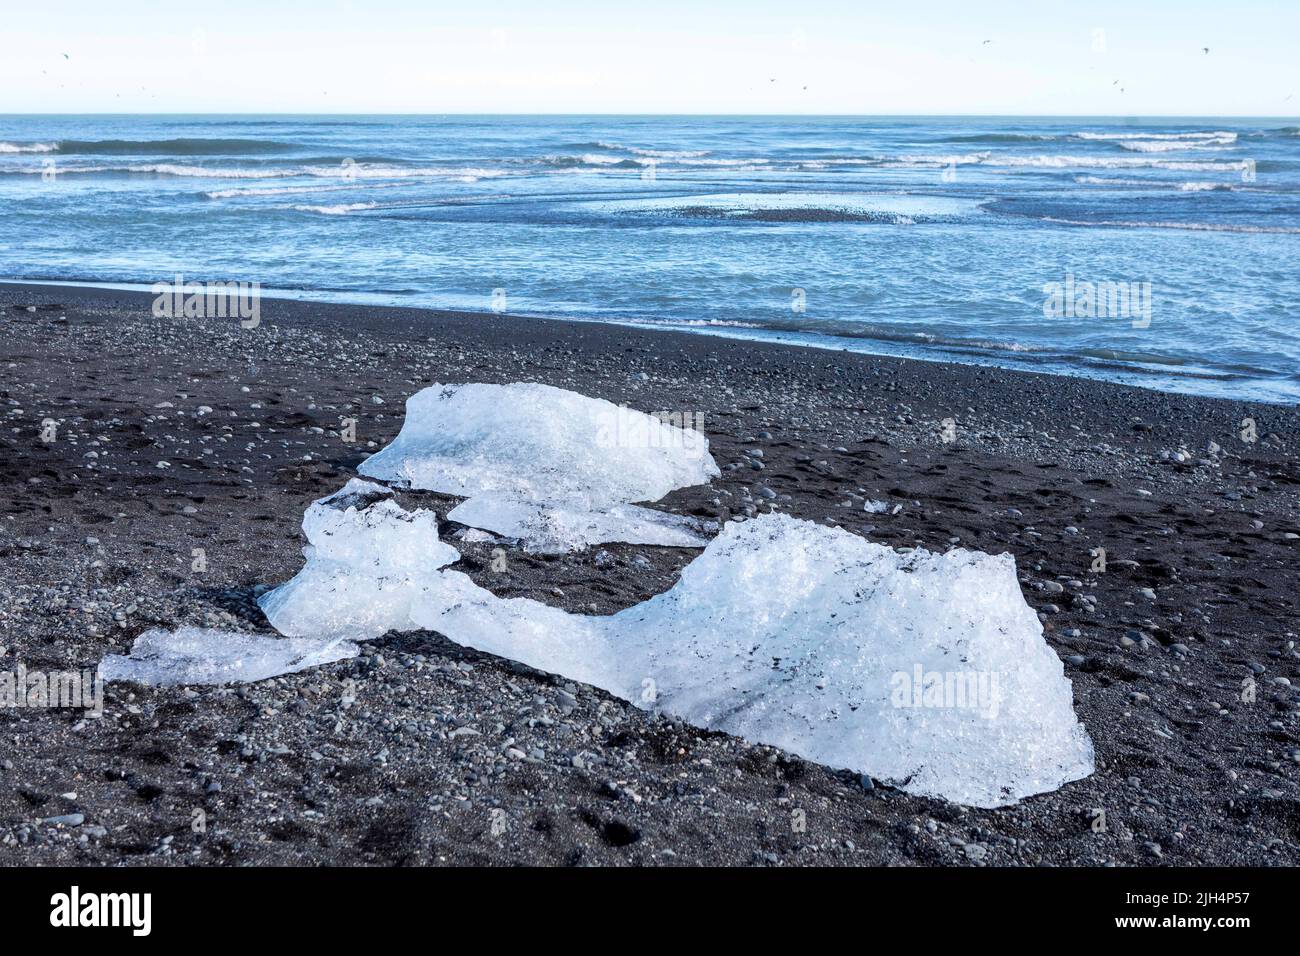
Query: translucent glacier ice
[
  {"x": 925, "y": 670},
  {"x": 368, "y": 558},
  {"x": 195, "y": 655},
  {"x": 555, "y": 529},
  {"x": 547, "y": 459}
]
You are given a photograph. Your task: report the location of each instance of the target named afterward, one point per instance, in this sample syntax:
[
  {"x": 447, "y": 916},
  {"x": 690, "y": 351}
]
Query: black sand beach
[{"x": 177, "y": 434}]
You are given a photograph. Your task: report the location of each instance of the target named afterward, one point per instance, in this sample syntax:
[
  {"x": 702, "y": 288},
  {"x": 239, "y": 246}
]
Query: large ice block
[
  {"x": 544, "y": 458},
  {"x": 925, "y": 670}
]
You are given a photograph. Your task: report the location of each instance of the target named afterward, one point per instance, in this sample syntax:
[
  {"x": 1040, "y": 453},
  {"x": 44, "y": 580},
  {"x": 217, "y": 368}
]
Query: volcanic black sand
[{"x": 181, "y": 434}]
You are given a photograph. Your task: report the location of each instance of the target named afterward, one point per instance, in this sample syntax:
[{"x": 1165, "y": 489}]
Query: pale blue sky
[{"x": 659, "y": 56}]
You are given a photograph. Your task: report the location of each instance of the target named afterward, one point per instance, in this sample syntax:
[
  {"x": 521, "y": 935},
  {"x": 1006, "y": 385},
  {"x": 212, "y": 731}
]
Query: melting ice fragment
[
  {"x": 926, "y": 670},
  {"x": 195, "y": 655},
  {"x": 554, "y": 468},
  {"x": 538, "y": 443},
  {"x": 367, "y": 560},
  {"x": 555, "y": 529}
]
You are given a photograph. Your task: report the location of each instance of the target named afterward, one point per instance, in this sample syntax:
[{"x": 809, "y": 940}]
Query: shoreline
[
  {"x": 952, "y": 353},
  {"x": 100, "y": 525}
]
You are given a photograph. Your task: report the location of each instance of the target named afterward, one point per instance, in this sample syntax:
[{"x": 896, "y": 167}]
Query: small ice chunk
[
  {"x": 195, "y": 655},
  {"x": 926, "y": 670},
  {"x": 875, "y": 507},
  {"x": 547, "y": 459},
  {"x": 367, "y": 560},
  {"x": 538, "y": 443},
  {"x": 356, "y": 494},
  {"x": 557, "y": 529}
]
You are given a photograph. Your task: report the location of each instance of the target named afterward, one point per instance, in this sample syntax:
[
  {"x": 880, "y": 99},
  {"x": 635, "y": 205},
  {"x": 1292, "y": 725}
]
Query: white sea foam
[
  {"x": 341, "y": 209},
  {"x": 162, "y": 169},
  {"x": 252, "y": 192},
  {"x": 657, "y": 153},
  {"x": 600, "y": 159},
  {"x": 28, "y": 147},
  {"x": 946, "y": 159},
  {"x": 1217, "y": 135},
  {"x": 205, "y": 172},
  {"x": 1171, "y": 145},
  {"x": 902, "y": 207},
  {"x": 1191, "y": 226},
  {"x": 288, "y": 172},
  {"x": 1190, "y": 187},
  {"x": 740, "y": 163},
  {"x": 668, "y": 153},
  {"x": 363, "y": 171},
  {"x": 1116, "y": 162},
  {"x": 595, "y": 161}
]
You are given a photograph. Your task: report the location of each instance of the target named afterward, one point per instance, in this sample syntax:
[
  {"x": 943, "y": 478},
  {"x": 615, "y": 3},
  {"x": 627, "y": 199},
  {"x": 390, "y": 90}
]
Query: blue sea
[{"x": 938, "y": 238}]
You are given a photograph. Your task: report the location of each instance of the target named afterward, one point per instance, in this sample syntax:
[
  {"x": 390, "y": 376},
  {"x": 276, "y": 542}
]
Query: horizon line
[{"x": 1129, "y": 117}]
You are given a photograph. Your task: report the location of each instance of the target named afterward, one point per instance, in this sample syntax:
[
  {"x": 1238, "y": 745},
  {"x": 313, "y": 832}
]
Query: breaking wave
[
  {"x": 1187, "y": 187},
  {"x": 252, "y": 192},
  {"x": 1192, "y": 226},
  {"x": 28, "y": 147},
  {"x": 170, "y": 147},
  {"x": 1117, "y": 162},
  {"x": 1216, "y": 136},
  {"x": 322, "y": 172},
  {"x": 341, "y": 209}
]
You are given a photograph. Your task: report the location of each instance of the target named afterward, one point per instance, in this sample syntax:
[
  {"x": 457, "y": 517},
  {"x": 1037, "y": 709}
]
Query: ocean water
[{"x": 967, "y": 239}]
